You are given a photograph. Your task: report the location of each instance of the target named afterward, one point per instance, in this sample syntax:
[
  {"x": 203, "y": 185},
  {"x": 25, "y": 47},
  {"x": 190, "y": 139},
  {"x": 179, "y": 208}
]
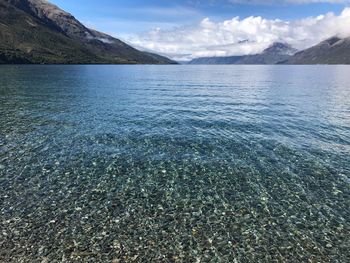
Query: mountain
[
  {"x": 215, "y": 60},
  {"x": 274, "y": 54},
  {"x": 334, "y": 50},
  {"x": 36, "y": 31}
]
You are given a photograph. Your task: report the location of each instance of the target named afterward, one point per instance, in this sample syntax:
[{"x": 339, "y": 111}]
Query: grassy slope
[{"x": 24, "y": 39}]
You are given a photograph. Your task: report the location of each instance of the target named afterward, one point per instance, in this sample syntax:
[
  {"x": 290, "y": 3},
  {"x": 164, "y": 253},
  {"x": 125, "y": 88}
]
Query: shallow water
[{"x": 174, "y": 164}]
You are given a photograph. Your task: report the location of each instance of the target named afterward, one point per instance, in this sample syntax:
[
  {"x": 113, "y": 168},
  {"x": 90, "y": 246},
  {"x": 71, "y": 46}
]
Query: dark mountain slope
[
  {"x": 334, "y": 50},
  {"x": 35, "y": 31},
  {"x": 26, "y": 39}
]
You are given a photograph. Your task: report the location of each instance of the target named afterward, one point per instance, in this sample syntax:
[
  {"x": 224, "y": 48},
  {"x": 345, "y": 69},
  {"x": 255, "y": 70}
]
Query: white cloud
[{"x": 241, "y": 36}]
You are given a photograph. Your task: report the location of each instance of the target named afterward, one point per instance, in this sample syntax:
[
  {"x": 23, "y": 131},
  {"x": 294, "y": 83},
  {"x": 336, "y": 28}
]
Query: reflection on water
[{"x": 174, "y": 163}]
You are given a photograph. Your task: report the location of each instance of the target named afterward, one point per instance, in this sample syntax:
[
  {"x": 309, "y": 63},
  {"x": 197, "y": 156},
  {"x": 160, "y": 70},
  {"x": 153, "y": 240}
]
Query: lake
[{"x": 174, "y": 164}]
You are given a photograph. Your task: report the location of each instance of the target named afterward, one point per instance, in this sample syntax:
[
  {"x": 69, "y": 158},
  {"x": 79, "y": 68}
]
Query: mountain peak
[
  {"x": 333, "y": 50},
  {"x": 333, "y": 40},
  {"x": 280, "y": 48}
]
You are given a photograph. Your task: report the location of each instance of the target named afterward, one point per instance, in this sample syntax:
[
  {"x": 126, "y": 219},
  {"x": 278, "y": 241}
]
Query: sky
[{"x": 187, "y": 29}]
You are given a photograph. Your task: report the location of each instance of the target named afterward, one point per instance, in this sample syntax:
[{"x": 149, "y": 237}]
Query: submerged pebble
[{"x": 174, "y": 164}]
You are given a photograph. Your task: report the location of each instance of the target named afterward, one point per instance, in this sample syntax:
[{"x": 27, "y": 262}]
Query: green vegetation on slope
[{"x": 28, "y": 38}]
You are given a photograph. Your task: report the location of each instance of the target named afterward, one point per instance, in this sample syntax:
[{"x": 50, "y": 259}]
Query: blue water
[{"x": 174, "y": 164}]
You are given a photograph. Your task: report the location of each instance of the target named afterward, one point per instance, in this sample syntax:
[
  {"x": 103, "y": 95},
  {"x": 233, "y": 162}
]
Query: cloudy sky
[{"x": 186, "y": 29}]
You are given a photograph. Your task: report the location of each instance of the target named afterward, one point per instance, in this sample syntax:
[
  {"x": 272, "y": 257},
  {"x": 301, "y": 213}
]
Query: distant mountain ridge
[
  {"x": 274, "y": 54},
  {"x": 334, "y": 50},
  {"x": 36, "y": 31}
]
